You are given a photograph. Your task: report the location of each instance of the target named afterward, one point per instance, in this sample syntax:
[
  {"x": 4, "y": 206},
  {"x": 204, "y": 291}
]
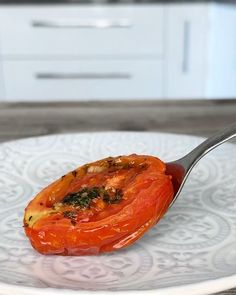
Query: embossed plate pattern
[{"x": 191, "y": 251}]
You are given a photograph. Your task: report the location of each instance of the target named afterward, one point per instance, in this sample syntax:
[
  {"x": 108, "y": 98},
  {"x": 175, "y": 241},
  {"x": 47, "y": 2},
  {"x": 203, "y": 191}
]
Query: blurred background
[
  {"x": 146, "y": 65},
  {"x": 100, "y": 50}
]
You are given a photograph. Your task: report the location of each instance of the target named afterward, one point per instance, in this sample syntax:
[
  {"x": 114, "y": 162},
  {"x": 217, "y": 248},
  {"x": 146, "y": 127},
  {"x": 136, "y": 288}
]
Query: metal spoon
[{"x": 181, "y": 168}]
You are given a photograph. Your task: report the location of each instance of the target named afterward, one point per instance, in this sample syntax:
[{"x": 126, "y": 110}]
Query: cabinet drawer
[
  {"x": 82, "y": 80},
  {"x": 81, "y": 30}
]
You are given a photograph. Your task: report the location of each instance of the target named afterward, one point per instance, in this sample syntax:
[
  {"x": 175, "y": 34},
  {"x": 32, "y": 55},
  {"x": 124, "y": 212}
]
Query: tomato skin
[{"x": 148, "y": 191}]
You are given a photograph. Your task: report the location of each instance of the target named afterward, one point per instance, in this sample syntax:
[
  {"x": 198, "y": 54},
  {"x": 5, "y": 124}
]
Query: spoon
[{"x": 181, "y": 168}]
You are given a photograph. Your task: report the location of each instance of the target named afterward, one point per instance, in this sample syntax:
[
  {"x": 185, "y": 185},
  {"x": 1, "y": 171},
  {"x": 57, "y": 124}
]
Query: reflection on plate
[{"x": 192, "y": 250}]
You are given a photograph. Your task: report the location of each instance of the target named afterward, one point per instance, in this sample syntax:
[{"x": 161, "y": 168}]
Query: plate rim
[
  {"x": 151, "y": 132},
  {"x": 203, "y": 288}
]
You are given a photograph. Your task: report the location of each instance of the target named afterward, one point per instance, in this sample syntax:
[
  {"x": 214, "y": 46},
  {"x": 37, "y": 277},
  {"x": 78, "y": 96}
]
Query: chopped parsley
[{"x": 84, "y": 197}]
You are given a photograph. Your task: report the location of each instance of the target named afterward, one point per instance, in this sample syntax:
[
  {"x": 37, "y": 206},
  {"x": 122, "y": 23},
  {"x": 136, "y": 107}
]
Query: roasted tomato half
[{"x": 99, "y": 207}]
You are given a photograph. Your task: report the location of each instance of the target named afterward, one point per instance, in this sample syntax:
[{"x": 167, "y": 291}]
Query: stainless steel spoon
[{"x": 181, "y": 168}]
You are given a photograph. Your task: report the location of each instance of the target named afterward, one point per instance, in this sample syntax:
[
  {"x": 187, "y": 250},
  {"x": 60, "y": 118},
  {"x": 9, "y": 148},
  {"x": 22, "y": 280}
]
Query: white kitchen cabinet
[
  {"x": 82, "y": 52},
  {"x": 109, "y": 52},
  {"x": 200, "y": 59}
]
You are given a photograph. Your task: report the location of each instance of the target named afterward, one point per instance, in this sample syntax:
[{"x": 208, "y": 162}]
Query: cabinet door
[
  {"x": 186, "y": 50},
  {"x": 1, "y": 83}
]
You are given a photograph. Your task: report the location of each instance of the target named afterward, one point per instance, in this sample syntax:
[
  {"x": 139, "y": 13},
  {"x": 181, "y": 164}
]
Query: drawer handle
[
  {"x": 83, "y": 76},
  {"x": 186, "y": 46},
  {"x": 83, "y": 24}
]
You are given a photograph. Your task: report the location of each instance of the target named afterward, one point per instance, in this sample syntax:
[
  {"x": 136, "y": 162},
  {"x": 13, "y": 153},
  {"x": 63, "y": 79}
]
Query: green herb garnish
[{"x": 83, "y": 198}]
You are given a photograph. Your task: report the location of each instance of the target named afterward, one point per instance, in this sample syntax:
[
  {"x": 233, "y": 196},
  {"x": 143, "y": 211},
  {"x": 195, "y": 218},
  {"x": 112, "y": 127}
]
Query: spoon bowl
[{"x": 181, "y": 168}]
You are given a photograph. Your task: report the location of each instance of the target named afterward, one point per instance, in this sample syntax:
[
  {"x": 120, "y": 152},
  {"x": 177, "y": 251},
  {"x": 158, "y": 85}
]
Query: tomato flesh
[{"x": 99, "y": 207}]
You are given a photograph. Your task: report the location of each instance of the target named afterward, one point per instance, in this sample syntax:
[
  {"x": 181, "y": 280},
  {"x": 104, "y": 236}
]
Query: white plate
[{"x": 191, "y": 251}]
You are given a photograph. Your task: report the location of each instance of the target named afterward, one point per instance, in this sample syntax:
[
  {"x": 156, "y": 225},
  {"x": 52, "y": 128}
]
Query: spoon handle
[{"x": 205, "y": 147}]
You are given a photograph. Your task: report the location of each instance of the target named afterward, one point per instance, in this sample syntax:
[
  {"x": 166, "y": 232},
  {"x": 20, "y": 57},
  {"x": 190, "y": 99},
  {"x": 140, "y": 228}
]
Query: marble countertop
[{"x": 198, "y": 117}]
